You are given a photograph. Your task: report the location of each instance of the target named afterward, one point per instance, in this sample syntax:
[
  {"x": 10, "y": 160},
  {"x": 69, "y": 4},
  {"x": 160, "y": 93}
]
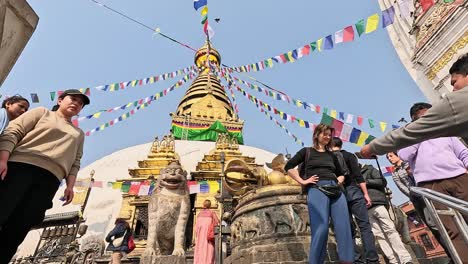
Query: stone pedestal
[
  {"x": 169, "y": 260},
  {"x": 271, "y": 225}
]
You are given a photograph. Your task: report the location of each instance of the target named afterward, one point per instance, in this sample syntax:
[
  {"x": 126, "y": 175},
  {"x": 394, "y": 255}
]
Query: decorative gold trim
[{"x": 448, "y": 55}]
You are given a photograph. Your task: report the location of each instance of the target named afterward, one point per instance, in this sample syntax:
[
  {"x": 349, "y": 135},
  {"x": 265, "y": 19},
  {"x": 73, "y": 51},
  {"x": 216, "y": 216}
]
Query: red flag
[
  {"x": 134, "y": 188},
  {"x": 338, "y": 126},
  {"x": 306, "y": 50},
  {"x": 426, "y": 4},
  {"x": 317, "y": 109},
  {"x": 75, "y": 122},
  {"x": 348, "y": 34},
  {"x": 359, "y": 120}
]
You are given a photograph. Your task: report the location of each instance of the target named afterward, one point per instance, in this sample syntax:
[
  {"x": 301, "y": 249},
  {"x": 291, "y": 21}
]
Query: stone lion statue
[{"x": 168, "y": 212}]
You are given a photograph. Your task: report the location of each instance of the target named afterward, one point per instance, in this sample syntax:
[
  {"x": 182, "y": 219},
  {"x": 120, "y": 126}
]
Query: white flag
[
  {"x": 338, "y": 36},
  {"x": 144, "y": 189},
  {"x": 404, "y": 8},
  {"x": 349, "y": 118},
  {"x": 194, "y": 188},
  {"x": 346, "y": 132}
]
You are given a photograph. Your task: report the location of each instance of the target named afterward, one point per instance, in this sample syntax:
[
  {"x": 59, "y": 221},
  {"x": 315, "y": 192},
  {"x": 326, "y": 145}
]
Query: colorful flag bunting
[
  {"x": 355, "y": 134},
  {"x": 346, "y": 132},
  {"x": 319, "y": 44},
  {"x": 371, "y": 123},
  {"x": 349, "y": 118},
  {"x": 52, "y": 96},
  {"x": 362, "y": 138},
  {"x": 338, "y": 126},
  {"x": 359, "y": 120}
]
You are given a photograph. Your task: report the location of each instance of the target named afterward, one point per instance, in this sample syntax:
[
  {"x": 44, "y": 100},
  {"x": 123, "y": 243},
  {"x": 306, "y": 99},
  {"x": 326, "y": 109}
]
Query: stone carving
[
  {"x": 302, "y": 218},
  {"x": 168, "y": 210},
  {"x": 280, "y": 220}
]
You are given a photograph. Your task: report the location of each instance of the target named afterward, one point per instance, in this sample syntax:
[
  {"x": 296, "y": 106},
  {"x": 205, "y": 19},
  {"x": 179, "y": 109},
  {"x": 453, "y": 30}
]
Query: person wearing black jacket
[
  {"x": 382, "y": 226},
  {"x": 358, "y": 200},
  {"x": 121, "y": 229},
  {"x": 321, "y": 168}
]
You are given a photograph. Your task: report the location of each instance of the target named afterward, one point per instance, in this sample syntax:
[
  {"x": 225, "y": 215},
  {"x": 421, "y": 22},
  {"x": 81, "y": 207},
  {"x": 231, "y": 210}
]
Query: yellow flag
[
  {"x": 301, "y": 123},
  {"x": 372, "y": 23},
  {"x": 117, "y": 185},
  {"x": 214, "y": 186},
  {"x": 79, "y": 196},
  {"x": 204, "y": 11},
  {"x": 383, "y": 125},
  {"x": 319, "y": 44},
  {"x": 270, "y": 62},
  {"x": 134, "y": 82},
  {"x": 362, "y": 138},
  {"x": 97, "y": 115},
  {"x": 151, "y": 80},
  {"x": 290, "y": 56},
  {"x": 333, "y": 113}
]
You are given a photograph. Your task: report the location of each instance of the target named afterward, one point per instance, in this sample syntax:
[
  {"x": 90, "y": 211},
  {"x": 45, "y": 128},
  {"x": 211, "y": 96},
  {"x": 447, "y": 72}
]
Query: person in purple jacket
[{"x": 440, "y": 164}]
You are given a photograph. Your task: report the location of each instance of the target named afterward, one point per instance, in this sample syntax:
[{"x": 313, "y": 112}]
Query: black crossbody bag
[{"x": 331, "y": 191}]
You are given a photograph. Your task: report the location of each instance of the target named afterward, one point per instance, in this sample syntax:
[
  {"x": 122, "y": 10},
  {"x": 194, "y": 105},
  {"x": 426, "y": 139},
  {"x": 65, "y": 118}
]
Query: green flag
[
  {"x": 360, "y": 27},
  {"x": 52, "y": 96},
  {"x": 125, "y": 187},
  {"x": 369, "y": 139},
  {"x": 326, "y": 119},
  {"x": 449, "y": 1},
  {"x": 313, "y": 45},
  {"x": 371, "y": 123},
  {"x": 325, "y": 110}
]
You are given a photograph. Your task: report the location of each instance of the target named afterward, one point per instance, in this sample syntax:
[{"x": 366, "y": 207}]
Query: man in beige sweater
[{"x": 37, "y": 151}]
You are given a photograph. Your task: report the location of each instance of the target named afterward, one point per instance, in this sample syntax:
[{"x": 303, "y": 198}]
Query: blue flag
[
  {"x": 328, "y": 43},
  {"x": 199, "y": 3}
]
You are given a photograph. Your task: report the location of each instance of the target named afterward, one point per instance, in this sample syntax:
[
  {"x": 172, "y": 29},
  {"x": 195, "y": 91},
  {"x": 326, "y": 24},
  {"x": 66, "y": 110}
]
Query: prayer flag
[
  {"x": 371, "y": 123},
  {"x": 383, "y": 126},
  {"x": 346, "y": 132},
  {"x": 144, "y": 189},
  {"x": 328, "y": 43},
  {"x": 360, "y": 27},
  {"x": 349, "y": 118},
  {"x": 214, "y": 186},
  {"x": 355, "y": 133},
  {"x": 319, "y": 44},
  {"x": 348, "y": 34},
  {"x": 52, "y": 96},
  {"x": 388, "y": 16},
  {"x": 326, "y": 119},
  {"x": 116, "y": 185},
  {"x": 339, "y": 36},
  {"x": 362, "y": 138},
  {"x": 404, "y": 8},
  {"x": 426, "y": 4},
  {"x": 338, "y": 126},
  {"x": 359, "y": 120},
  {"x": 333, "y": 113},
  {"x": 199, "y": 3},
  {"x": 372, "y": 23},
  {"x": 195, "y": 188},
  {"x": 34, "y": 98}
]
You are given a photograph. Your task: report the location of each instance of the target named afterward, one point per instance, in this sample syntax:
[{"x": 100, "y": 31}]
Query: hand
[
  {"x": 366, "y": 152},
  {"x": 368, "y": 200},
  {"x": 312, "y": 180},
  {"x": 68, "y": 195},
  {"x": 341, "y": 179},
  {"x": 3, "y": 169}
]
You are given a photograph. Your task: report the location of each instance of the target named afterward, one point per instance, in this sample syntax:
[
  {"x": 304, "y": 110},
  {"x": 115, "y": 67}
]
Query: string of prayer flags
[
  {"x": 298, "y": 103},
  {"x": 141, "y": 106},
  {"x": 346, "y": 132}
]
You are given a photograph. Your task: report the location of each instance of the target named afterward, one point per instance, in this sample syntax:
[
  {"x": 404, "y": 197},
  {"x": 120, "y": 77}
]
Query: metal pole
[
  {"x": 221, "y": 206},
  {"x": 88, "y": 192}
]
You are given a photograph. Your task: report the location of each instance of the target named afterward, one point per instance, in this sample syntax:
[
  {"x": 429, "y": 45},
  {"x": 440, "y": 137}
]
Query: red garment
[{"x": 204, "y": 250}]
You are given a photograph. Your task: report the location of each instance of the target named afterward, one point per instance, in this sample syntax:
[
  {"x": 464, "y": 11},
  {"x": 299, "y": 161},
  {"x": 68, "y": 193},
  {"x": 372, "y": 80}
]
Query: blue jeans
[
  {"x": 320, "y": 209},
  {"x": 357, "y": 207}
]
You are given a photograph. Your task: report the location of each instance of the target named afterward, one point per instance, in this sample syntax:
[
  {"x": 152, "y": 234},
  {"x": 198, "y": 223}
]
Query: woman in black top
[{"x": 323, "y": 168}]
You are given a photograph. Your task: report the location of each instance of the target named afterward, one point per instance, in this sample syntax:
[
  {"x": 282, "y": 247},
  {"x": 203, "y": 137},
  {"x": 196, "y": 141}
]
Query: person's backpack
[
  {"x": 342, "y": 163},
  {"x": 131, "y": 244}
]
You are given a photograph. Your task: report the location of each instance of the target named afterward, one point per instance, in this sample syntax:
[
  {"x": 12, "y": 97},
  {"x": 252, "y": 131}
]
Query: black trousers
[
  {"x": 357, "y": 207},
  {"x": 25, "y": 194}
]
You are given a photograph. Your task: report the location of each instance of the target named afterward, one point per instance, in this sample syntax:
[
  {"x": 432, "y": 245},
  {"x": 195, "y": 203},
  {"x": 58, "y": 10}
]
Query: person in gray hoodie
[{"x": 447, "y": 118}]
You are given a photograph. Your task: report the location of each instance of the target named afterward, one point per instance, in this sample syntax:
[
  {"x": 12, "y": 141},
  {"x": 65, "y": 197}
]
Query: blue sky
[{"x": 80, "y": 44}]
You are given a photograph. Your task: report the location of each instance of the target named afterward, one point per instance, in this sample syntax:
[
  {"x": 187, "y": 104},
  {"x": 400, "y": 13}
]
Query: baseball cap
[{"x": 76, "y": 92}]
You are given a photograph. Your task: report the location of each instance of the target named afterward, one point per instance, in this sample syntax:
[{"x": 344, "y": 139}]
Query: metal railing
[{"x": 456, "y": 208}]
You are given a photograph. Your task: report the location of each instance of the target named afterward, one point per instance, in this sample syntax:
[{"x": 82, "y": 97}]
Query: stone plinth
[
  {"x": 169, "y": 260},
  {"x": 271, "y": 225}
]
